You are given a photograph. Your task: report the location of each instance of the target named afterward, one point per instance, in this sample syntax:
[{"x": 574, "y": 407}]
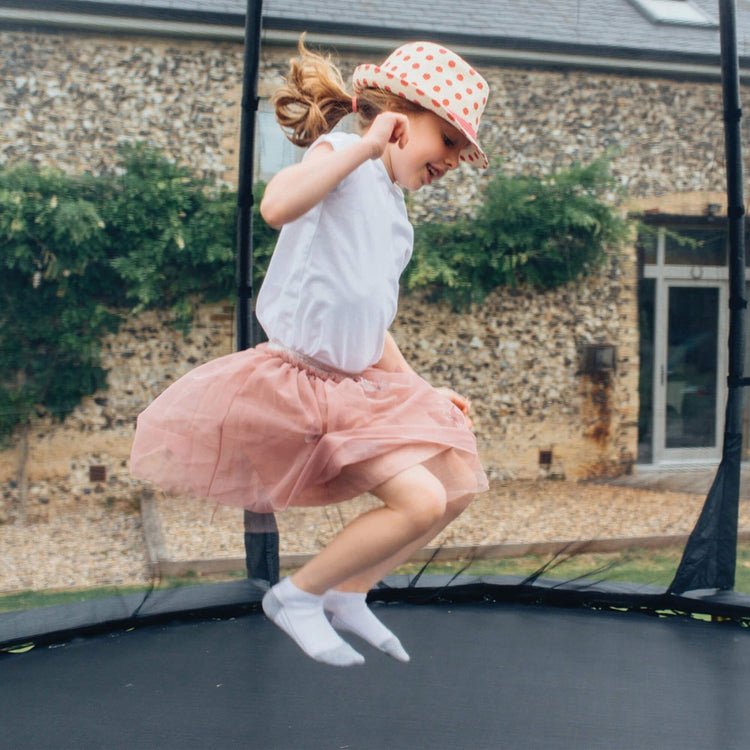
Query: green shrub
[
  {"x": 172, "y": 235},
  {"x": 56, "y": 286},
  {"x": 76, "y": 252},
  {"x": 540, "y": 232}
]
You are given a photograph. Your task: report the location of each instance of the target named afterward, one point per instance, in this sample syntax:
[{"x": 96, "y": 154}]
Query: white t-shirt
[{"x": 331, "y": 289}]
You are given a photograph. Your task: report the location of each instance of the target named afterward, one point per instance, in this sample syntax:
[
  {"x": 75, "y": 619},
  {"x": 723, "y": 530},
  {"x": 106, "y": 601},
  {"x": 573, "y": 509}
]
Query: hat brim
[{"x": 373, "y": 76}]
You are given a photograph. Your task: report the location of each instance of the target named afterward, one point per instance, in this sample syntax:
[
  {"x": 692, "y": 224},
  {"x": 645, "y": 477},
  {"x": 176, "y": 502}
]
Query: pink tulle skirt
[{"x": 266, "y": 428}]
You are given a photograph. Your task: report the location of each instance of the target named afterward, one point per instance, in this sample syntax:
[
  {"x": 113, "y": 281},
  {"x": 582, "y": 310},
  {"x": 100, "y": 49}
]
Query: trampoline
[
  {"x": 499, "y": 662},
  {"x": 202, "y": 667}
]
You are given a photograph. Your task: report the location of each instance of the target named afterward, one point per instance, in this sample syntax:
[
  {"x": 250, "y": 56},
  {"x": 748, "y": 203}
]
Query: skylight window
[{"x": 674, "y": 11}]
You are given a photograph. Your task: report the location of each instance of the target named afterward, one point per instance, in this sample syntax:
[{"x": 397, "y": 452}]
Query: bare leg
[
  {"x": 448, "y": 463},
  {"x": 414, "y": 503},
  {"x": 366, "y": 579},
  {"x": 347, "y": 603}
]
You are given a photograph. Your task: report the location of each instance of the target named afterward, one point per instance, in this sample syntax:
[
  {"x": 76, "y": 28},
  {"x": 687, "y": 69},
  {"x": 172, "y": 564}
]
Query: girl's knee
[
  {"x": 428, "y": 506},
  {"x": 418, "y": 495},
  {"x": 423, "y": 500}
]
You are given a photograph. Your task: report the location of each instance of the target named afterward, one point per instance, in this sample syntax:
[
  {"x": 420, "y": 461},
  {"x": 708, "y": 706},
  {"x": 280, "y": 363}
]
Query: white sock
[
  {"x": 300, "y": 615},
  {"x": 350, "y": 612}
]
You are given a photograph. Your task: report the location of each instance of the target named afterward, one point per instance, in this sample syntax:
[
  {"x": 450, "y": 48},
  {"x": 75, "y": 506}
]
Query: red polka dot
[
  {"x": 415, "y": 65},
  {"x": 460, "y": 77},
  {"x": 420, "y": 49},
  {"x": 426, "y": 76},
  {"x": 442, "y": 51},
  {"x": 472, "y": 72},
  {"x": 476, "y": 105},
  {"x": 420, "y": 92},
  {"x": 452, "y": 63},
  {"x": 436, "y": 88},
  {"x": 458, "y": 96},
  {"x": 439, "y": 68},
  {"x": 435, "y": 103},
  {"x": 403, "y": 77},
  {"x": 402, "y": 94},
  {"x": 388, "y": 89},
  {"x": 446, "y": 103},
  {"x": 390, "y": 76},
  {"x": 479, "y": 85},
  {"x": 429, "y": 57},
  {"x": 449, "y": 83},
  {"x": 466, "y": 110},
  {"x": 407, "y": 57},
  {"x": 468, "y": 91}
]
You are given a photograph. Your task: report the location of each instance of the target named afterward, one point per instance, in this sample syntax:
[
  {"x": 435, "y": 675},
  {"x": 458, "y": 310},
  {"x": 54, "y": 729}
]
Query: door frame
[{"x": 676, "y": 277}]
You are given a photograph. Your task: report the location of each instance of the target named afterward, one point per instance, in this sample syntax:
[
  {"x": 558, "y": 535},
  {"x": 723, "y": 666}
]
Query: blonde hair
[{"x": 314, "y": 99}]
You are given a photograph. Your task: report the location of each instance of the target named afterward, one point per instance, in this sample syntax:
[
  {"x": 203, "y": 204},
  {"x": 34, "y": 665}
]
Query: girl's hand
[
  {"x": 458, "y": 400},
  {"x": 387, "y": 127}
]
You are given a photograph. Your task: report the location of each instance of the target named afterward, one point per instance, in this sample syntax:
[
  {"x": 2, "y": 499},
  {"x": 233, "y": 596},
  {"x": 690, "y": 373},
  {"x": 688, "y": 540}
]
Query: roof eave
[{"x": 277, "y": 30}]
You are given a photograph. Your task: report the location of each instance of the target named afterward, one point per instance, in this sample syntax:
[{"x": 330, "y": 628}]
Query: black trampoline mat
[{"x": 481, "y": 676}]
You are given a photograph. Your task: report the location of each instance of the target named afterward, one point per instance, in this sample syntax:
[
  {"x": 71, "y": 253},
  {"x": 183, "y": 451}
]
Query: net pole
[
  {"x": 261, "y": 531},
  {"x": 710, "y": 556},
  {"x": 735, "y": 213}
]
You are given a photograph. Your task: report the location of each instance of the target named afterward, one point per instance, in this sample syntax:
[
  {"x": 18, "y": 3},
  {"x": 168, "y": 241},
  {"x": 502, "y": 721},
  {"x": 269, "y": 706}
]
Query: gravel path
[{"x": 93, "y": 541}]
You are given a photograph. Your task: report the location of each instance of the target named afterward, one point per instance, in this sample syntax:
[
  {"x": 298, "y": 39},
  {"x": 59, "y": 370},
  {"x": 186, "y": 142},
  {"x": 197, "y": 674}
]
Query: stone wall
[{"x": 68, "y": 99}]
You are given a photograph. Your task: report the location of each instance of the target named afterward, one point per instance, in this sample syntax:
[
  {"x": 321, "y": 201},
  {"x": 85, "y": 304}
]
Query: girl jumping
[{"x": 329, "y": 408}]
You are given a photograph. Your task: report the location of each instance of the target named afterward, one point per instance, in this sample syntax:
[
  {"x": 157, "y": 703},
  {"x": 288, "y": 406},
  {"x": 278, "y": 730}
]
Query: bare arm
[
  {"x": 293, "y": 191},
  {"x": 394, "y": 361}
]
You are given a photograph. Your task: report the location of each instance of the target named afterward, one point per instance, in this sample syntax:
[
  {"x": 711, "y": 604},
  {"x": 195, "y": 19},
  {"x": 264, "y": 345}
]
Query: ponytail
[{"x": 313, "y": 99}]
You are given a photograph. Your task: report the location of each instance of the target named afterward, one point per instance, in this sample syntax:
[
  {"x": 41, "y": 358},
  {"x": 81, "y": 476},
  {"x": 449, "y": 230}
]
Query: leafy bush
[
  {"x": 76, "y": 251},
  {"x": 54, "y": 278},
  {"x": 174, "y": 236},
  {"x": 534, "y": 231}
]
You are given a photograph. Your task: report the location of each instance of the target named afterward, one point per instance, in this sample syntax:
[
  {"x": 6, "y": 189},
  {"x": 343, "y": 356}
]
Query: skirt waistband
[{"x": 320, "y": 369}]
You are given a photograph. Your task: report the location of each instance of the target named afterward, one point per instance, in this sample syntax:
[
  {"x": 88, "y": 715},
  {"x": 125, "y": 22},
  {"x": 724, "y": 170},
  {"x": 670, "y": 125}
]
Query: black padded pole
[
  {"x": 735, "y": 213},
  {"x": 261, "y": 532},
  {"x": 710, "y": 556},
  {"x": 245, "y": 178}
]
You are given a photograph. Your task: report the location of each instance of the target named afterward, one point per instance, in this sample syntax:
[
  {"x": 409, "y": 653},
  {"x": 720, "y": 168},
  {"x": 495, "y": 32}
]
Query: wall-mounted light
[{"x": 598, "y": 358}]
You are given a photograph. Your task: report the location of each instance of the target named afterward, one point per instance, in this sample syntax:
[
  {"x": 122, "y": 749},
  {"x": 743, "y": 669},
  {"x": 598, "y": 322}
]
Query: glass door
[{"x": 689, "y": 372}]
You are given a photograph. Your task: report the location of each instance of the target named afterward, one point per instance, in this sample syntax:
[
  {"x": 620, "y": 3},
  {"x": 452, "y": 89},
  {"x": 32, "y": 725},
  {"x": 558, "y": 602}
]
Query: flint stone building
[{"x": 623, "y": 369}]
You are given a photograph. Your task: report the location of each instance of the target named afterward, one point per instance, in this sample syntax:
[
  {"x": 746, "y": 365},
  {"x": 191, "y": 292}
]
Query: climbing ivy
[
  {"x": 535, "y": 231},
  {"x": 76, "y": 252}
]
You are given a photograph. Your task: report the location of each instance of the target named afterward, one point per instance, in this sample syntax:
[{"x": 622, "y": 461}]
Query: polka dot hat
[{"x": 437, "y": 79}]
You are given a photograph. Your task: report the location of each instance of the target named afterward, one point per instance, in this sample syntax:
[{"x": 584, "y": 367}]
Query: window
[
  {"x": 693, "y": 246},
  {"x": 683, "y": 244},
  {"x": 273, "y": 150},
  {"x": 674, "y": 12}
]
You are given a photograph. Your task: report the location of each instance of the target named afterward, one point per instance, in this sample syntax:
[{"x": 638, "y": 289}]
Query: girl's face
[{"x": 433, "y": 148}]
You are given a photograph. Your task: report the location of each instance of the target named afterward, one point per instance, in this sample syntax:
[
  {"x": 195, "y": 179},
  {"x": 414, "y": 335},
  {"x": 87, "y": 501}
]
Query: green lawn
[{"x": 638, "y": 566}]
